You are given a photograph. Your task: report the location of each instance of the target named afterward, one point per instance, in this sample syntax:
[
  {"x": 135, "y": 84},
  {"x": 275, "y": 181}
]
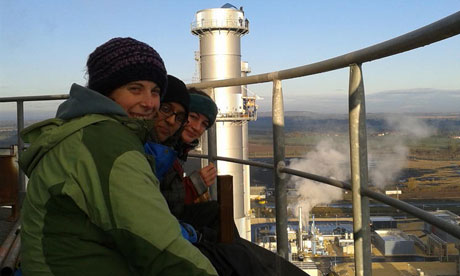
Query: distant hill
[
  {"x": 389, "y": 101},
  {"x": 444, "y": 123},
  {"x": 304, "y": 121},
  {"x": 289, "y": 114}
]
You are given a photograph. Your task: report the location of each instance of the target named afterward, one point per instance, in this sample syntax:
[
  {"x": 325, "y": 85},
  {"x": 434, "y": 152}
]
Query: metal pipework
[
  {"x": 279, "y": 177},
  {"x": 234, "y": 160},
  {"x": 12, "y": 259},
  {"x": 245, "y": 141},
  {"x": 34, "y": 98},
  {"x": 300, "y": 231},
  {"x": 359, "y": 177}
]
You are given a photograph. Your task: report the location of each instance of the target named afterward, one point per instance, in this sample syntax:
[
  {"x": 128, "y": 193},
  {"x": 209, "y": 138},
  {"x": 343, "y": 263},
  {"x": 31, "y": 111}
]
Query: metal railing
[
  {"x": 216, "y": 24},
  {"x": 442, "y": 29}
]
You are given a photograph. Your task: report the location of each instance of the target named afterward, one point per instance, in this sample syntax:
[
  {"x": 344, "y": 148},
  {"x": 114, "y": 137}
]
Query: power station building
[
  {"x": 393, "y": 242},
  {"x": 445, "y": 215}
]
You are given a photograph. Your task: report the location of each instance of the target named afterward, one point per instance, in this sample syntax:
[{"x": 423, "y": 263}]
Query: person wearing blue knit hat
[
  {"x": 189, "y": 200},
  {"x": 177, "y": 189}
]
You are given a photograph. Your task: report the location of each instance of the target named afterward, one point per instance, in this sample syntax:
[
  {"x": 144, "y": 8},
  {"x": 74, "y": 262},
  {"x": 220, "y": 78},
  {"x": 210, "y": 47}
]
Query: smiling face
[
  {"x": 168, "y": 120},
  {"x": 195, "y": 127},
  {"x": 140, "y": 99}
]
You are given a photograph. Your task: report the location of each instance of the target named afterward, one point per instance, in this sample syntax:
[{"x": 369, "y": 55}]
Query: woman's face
[
  {"x": 140, "y": 99},
  {"x": 195, "y": 127},
  {"x": 168, "y": 120}
]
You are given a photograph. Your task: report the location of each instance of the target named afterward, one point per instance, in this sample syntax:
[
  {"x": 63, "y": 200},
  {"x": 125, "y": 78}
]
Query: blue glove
[{"x": 188, "y": 232}]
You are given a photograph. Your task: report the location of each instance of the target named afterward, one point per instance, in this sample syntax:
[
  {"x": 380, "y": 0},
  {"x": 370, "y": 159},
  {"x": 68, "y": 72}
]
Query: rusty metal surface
[
  {"x": 225, "y": 198},
  {"x": 8, "y": 180},
  {"x": 9, "y": 184}
]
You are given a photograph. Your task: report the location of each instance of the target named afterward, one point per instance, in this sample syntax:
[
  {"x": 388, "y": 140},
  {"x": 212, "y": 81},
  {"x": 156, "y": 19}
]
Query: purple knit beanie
[{"x": 123, "y": 60}]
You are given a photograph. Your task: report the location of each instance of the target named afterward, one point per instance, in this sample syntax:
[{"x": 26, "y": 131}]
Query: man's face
[
  {"x": 168, "y": 120},
  {"x": 140, "y": 99},
  {"x": 195, "y": 127}
]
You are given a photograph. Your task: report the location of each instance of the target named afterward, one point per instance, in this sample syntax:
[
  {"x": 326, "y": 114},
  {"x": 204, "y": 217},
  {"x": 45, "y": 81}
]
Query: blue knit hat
[
  {"x": 203, "y": 105},
  {"x": 123, "y": 60}
]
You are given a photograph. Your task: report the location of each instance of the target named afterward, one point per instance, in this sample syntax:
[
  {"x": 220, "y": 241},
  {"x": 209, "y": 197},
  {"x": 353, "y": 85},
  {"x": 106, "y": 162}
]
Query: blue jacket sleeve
[{"x": 164, "y": 158}]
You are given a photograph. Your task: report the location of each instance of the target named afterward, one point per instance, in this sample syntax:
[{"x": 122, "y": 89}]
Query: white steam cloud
[
  {"x": 328, "y": 159},
  {"x": 332, "y": 160},
  {"x": 388, "y": 165}
]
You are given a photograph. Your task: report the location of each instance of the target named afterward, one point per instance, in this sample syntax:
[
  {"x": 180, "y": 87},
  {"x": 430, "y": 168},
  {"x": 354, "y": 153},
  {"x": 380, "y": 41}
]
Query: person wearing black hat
[
  {"x": 173, "y": 113},
  {"x": 168, "y": 125},
  {"x": 177, "y": 189},
  {"x": 93, "y": 204}
]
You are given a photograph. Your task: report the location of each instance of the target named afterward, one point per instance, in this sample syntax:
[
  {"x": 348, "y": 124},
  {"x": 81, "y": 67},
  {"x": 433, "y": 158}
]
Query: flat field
[{"x": 431, "y": 169}]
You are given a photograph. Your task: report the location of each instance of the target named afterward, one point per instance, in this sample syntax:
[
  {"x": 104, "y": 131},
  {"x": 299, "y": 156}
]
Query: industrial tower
[{"x": 220, "y": 30}]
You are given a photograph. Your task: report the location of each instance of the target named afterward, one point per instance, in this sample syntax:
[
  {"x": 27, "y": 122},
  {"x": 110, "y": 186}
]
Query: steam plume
[
  {"x": 327, "y": 160},
  {"x": 388, "y": 165},
  {"x": 332, "y": 160}
]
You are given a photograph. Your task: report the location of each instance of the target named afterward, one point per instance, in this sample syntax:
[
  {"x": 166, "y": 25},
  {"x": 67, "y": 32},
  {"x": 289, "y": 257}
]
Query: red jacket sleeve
[{"x": 190, "y": 192}]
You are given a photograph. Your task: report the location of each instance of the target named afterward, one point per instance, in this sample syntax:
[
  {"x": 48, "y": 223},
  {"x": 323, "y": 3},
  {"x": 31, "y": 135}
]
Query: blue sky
[{"x": 44, "y": 44}]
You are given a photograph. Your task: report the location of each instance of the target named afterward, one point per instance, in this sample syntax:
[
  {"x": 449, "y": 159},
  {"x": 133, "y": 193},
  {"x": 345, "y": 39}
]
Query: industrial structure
[
  {"x": 448, "y": 216},
  {"x": 220, "y": 31},
  {"x": 393, "y": 242}
]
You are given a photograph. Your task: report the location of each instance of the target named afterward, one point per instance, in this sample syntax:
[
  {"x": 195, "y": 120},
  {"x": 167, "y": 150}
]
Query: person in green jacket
[{"x": 93, "y": 204}]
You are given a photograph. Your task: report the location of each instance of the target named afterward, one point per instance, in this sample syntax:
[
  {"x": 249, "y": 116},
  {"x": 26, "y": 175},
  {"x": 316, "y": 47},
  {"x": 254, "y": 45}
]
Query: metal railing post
[
  {"x": 20, "y": 123},
  {"x": 279, "y": 177},
  {"x": 212, "y": 151},
  {"x": 358, "y": 155}
]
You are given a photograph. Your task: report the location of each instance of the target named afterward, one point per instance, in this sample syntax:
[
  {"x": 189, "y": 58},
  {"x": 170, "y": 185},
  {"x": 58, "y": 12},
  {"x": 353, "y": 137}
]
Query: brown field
[
  {"x": 441, "y": 180},
  {"x": 266, "y": 150}
]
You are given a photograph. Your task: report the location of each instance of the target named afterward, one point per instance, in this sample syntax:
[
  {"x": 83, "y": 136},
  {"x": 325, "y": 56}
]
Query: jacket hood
[{"x": 84, "y": 101}]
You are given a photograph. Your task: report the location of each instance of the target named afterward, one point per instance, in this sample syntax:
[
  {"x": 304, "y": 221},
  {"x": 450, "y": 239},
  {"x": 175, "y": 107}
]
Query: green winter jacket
[{"x": 93, "y": 205}]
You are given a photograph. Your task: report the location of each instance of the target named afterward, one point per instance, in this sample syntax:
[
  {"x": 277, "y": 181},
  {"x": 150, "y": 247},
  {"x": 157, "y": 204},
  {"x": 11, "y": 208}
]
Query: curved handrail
[
  {"x": 452, "y": 229},
  {"x": 34, "y": 98}
]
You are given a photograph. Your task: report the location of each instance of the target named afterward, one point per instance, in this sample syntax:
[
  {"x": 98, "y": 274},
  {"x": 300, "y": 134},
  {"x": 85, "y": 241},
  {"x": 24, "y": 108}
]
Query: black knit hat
[
  {"x": 123, "y": 60},
  {"x": 177, "y": 92}
]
